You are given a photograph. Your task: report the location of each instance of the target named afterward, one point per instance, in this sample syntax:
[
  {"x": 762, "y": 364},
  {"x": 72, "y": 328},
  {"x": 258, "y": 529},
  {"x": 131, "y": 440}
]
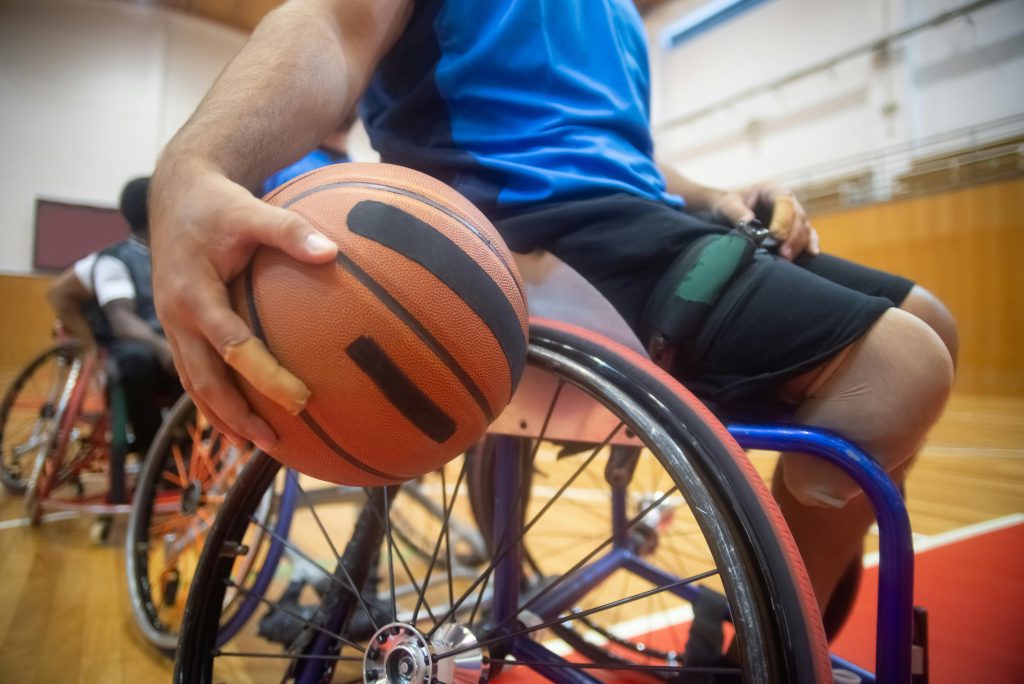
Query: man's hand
[
  {"x": 205, "y": 229},
  {"x": 785, "y": 217}
]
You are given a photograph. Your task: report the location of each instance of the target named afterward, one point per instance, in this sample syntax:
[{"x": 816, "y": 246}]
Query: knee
[
  {"x": 884, "y": 395},
  {"x": 926, "y": 306}
]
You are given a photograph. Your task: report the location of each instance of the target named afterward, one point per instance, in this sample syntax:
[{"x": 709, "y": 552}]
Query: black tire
[
  {"x": 157, "y": 599},
  {"x": 28, "y": 414},
  {"x": 772, "y": 607}
]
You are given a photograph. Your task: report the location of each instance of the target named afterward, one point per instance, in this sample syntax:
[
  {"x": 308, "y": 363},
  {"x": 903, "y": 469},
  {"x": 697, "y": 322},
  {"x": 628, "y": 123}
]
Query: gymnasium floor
[{"x": 64, "y": 614}]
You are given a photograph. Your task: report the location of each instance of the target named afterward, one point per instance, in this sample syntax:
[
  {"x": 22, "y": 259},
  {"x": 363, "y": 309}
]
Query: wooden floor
[{"x": 64, "y": 614}]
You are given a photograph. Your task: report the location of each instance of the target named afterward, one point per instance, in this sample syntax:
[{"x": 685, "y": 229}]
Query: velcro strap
[{"x": 689, "y": 289}]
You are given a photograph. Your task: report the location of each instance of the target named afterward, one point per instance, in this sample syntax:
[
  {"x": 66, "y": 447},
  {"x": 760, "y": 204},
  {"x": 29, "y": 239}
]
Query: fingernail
[
  {"x": 318, "y": 244},
  {"x": 264, "y": 438}
]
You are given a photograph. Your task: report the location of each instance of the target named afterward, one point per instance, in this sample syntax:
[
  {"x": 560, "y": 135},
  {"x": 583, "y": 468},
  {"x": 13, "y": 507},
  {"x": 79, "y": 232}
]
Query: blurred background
[{"x": 898, "y": 123}]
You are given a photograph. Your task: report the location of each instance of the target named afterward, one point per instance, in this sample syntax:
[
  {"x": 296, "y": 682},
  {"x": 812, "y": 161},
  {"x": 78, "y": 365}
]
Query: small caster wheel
[{"x": 99, "y": 530}]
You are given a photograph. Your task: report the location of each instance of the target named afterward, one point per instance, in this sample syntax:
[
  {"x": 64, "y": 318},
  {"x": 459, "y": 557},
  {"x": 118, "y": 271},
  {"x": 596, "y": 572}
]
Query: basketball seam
[
  {"x": 426, "y": 200},
  {"x": 414, "y": 324},
  {"x": 421, "y": 243},
  {"x": 317, "y": 429}
]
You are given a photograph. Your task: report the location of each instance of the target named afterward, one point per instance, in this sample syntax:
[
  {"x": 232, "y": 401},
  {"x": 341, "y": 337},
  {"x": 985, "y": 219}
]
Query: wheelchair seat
[{"x": 555, "y": 291}]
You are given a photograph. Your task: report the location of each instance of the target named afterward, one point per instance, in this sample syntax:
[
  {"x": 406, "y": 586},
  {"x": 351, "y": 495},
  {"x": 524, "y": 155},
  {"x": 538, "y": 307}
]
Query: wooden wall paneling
[
  {"x": 966, "y": 247},
  {"x": 26, "y": 320}
]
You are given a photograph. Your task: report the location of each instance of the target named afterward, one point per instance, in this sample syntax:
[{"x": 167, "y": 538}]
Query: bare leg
[{"x": 883, "y": 393}]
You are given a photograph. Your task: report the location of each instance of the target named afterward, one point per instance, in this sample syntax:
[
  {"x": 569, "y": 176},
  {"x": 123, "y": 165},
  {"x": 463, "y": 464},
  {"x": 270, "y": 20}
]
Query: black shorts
[{"x": 775, "y": 320}]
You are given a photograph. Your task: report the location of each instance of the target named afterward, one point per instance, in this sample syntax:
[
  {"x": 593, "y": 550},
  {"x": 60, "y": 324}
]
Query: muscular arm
[
  {"x": 68, "y": 297},
  {"x": 294, "y": 81}
]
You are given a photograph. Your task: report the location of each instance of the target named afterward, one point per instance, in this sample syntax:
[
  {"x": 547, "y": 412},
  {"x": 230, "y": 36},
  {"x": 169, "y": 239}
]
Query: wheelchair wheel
[
  {"x": 718, "y": 534},
  {"x": 29, "y": 413},
  {"x": 187, "y": 473},
  {"x": 74, "y": 472}
]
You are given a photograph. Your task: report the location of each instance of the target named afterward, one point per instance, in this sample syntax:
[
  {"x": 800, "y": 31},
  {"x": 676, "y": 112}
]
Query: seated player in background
[
  {"x": 538, "y": 112},
  {"x": 106, "y": 298}
]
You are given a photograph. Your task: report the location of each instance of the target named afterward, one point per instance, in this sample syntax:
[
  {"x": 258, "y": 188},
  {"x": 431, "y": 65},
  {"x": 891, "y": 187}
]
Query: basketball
[{"x": 412, "y": 341}]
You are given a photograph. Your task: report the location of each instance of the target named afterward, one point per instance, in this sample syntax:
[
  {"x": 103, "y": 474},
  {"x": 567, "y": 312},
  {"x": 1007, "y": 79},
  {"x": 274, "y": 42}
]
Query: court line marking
[
  {"x": 955, "y": 535},
  {"x": 642, "y": 625},
  {"x": 49, "y": 517}
]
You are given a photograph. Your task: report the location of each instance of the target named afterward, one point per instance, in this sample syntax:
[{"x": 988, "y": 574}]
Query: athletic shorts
[{"x": 774, "y": 321}]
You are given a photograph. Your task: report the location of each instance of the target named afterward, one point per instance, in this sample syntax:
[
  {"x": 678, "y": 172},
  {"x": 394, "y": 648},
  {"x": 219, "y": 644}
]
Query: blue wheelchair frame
[{"x": 896, "y": 565}]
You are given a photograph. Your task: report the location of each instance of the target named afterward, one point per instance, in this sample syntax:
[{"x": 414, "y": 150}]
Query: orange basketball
[{"x": 411, "y": 341}]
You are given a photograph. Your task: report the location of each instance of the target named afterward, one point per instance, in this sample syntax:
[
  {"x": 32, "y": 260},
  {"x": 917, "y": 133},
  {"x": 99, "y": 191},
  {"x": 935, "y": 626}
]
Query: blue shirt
[
  {"x": 314, "y": 160},
  {"x": 515, "y": 102}
]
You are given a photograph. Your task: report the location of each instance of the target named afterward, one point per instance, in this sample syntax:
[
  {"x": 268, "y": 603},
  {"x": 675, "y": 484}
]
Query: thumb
[
  {"x": 732, "y": 208},
  {"x": 292, "y": 234},
  {"x": 783, "y": 217}
]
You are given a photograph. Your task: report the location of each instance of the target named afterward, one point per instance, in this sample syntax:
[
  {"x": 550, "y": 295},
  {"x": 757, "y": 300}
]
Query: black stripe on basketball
[
  {"x": 425, "y": 200},
  {"x": 400, "y": 390},
  {"x": 326, "y": 439},
  {"x": 257, "y": 328},
  {"x": 406, "y": 317},
  {"x": 250, "y": 304},
  {"x": 419, "y": 241}
]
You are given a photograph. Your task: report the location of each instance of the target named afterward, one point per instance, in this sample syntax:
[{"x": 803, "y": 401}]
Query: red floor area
[{"x": 974, "y": 592}]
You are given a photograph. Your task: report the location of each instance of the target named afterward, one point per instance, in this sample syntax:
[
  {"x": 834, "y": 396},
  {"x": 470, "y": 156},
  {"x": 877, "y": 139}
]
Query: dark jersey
[{"x": 136, "y": 259}]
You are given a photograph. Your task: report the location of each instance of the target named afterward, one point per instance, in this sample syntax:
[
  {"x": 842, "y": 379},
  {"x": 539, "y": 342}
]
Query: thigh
[
  {"x": 854, "y": 276},
  {"x": 775, "y": 321}
]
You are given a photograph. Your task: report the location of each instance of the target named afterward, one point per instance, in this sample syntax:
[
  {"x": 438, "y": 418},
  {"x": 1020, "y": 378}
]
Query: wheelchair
[
  {"x": 65, "y": 436},
  {"x": 627, "y": 535},
  {"x": 185, "y": 477}
]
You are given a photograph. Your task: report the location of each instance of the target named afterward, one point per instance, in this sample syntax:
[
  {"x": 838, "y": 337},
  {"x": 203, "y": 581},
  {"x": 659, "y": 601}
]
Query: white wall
[
  {"x": 957, "y": 75},
  {"x": 90, "y": 91}
]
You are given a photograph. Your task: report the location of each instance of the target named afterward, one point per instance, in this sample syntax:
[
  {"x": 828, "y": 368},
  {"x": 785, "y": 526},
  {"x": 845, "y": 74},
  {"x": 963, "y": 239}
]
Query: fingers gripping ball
[{"x": 411, "y": 342}]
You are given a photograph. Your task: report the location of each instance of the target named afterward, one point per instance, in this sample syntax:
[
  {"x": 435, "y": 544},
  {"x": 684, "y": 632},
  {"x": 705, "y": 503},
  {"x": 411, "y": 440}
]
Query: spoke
[
  {"x": 350, "y": 586},
  {"x": 447, "y": 539},
  {"x": 391, "y": 562},
  {"x": 405, "y": 566},
  {"x": 312, "y": 509},
  {"x": 479, "y": 600},
  {"x": 179, "y": 463},
  {"x": 639, "y": 516},
  {"x": 580, "y": 614},
  {"x": 505, "y": 549},
  {"x": 285, "y": 656},
  {"x": 728, "y": 671},
  {"x": 231, "y": 583},
  {"x": 437, "y": 545},
  {"x": 172, "y": 479}
]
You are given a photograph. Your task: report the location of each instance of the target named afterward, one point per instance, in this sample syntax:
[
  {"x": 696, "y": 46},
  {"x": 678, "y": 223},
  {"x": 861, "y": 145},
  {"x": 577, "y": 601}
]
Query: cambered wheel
[
  {"x": 29, "y": 414},
  {"x": 613, "y": 535}
]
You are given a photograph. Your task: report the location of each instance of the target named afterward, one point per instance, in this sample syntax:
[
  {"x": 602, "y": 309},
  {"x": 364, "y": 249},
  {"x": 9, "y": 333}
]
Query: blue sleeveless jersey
[
  {"x": 314, "y": 160},
  {"x": 515, "y": 102}
]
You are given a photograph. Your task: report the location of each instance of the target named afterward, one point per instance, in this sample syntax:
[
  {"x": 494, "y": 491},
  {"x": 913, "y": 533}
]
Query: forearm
[
  {"x": 130, "y": 327},
  {"x": 698, "y": 197},
  {"x": 73, "y": 320},
  {"x": 287, "y": 89}
]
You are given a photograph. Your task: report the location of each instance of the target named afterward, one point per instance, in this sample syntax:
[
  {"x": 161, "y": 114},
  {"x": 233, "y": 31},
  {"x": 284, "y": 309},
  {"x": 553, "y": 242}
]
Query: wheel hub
[
  {"x": 190, "y": 497},
  {"x": 400, "y": 654}
]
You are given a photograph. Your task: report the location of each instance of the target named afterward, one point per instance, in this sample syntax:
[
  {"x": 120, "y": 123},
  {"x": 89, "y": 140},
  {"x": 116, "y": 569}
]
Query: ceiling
[{"x": 245, "y": 14}]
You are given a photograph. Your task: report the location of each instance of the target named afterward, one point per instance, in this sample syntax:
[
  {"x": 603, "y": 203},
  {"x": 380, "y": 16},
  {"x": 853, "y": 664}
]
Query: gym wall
[
  {"x": 90, "y": 91},
  {"x": 962, "y": 73}
]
